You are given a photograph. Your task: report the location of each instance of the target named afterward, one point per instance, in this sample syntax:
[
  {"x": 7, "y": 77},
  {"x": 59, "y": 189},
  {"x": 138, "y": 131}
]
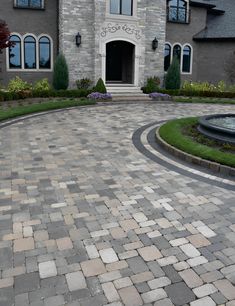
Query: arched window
[
  {"x": 44, "y": 53},
  {"x": 15, "y": 53},
  {"x": 29, "y": 52},
  {"x": 177, "y": 52},
  {"x": 177, "y": 11},
  {"x": 167, "y": 57},
  {"x": 187, "y": 55}
]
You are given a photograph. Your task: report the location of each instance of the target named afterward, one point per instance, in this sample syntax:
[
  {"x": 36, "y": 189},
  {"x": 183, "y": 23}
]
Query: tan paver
[
  {"x": 150, "y": 253},
  {"x": 24, "y": 244},
  {"x": 93, "y": 267}
]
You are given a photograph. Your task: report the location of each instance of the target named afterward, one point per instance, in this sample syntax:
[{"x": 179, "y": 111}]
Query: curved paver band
[{"x": 136, "y": 139}]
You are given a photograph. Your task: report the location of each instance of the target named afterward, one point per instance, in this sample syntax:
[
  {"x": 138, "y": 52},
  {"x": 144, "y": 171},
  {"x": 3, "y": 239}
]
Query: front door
[{"x": 120, "y": 62}]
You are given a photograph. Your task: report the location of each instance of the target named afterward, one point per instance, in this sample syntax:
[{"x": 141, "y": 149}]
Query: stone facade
[
  {"x": 61, "y": 20},
  {"x": 97, "y": 27}
]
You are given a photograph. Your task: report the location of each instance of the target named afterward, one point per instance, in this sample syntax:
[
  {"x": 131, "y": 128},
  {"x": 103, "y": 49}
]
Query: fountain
[{"x": 218, "y": 127}]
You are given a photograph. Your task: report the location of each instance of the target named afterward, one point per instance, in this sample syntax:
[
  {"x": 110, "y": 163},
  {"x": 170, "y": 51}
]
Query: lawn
[
  {"x": 177, "y": 133},
  {"x": 204, "y": 100},
  {"x": 45, "y": 106}
]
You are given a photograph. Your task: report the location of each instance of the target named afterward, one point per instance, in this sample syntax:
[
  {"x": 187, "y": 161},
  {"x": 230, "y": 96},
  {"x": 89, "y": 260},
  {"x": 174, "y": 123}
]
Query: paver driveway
[{"x": 86, "y": 219}]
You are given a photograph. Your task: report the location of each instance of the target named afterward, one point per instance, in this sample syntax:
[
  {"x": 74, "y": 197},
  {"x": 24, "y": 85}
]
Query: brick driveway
[{"x": 86, "y": 219}]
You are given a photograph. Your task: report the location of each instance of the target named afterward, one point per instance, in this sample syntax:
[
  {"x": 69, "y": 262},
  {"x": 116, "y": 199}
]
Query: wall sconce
[
  {"x": 78, "y": 39},
  {"x": 155, "y": 44}
]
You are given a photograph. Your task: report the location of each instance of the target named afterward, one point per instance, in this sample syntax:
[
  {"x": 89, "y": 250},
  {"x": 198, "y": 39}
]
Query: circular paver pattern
[{"x": 87, "y": 219}]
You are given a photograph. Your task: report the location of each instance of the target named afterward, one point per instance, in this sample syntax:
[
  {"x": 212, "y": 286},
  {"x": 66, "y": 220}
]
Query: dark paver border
[{"x": 151, "y": 137}]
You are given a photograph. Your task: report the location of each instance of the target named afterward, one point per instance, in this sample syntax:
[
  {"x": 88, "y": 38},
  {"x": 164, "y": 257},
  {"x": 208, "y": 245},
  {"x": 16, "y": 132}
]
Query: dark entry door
[{"x": 119, "y": 62}]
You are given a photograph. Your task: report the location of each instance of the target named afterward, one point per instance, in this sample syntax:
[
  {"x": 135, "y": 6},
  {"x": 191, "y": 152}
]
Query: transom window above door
[
  {"x": 121, "y": 7},
  {"x": 33, "y": 4}
]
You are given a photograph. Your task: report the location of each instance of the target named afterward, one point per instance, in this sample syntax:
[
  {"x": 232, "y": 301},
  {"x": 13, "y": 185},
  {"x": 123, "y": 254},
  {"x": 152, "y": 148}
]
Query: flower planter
[
  {"x": 100, "y": 97},
  {"x": 155, "y": 96}
]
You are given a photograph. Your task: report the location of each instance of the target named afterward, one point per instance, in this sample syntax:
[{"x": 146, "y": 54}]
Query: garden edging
[{"x": 215, "y": 167}]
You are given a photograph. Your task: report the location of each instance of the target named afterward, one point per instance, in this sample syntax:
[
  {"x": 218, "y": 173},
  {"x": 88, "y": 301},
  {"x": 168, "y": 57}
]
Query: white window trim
[
  {"x": 119, "y": 16},
  {"x": 29, "y": 7},
  {"x": 181, "y": 56},
  {"x": 22, "y": 37}
]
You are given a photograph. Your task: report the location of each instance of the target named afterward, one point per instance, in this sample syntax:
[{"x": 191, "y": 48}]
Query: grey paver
[
  {"x": 179, "y": 294},
  {"x": 90, "y": 212}
]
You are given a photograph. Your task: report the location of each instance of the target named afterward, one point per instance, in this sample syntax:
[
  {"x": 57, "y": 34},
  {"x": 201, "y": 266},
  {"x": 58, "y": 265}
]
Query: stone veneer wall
[{"x": 89, "y": 17}]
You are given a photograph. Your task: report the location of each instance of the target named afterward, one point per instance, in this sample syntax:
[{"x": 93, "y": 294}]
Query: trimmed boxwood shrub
[
  {"x": 8, "y": 96},
  {"x": 100, "y": 87}
]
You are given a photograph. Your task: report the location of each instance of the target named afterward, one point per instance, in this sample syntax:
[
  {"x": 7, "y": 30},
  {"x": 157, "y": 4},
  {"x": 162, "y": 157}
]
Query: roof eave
[{"x": 207, "y": 39}]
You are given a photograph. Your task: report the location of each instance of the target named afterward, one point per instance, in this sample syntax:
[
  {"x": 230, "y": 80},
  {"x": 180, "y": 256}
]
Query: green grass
[
  {"x": 171, "y": 132},
  {"x": 36, "y": 108},
  {"x": 204, "y": 100}
]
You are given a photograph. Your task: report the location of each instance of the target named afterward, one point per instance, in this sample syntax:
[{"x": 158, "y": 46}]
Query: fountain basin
[{"x": 220, "y": 127}]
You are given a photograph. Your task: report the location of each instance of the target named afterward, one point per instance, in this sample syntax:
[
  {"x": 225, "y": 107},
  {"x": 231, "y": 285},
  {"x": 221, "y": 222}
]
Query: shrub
[
  {"x": 99, "y": 96},
  {"x": 152, "y": 85},
  {"x": 60, "y": 73},
  {"x": 17, "y": 84},
  {"x": 84, "y": 83},
  {"x": 172, "y": 80},
  {"x": 42, "y": 85},
  {"x": 100, "y": 87}
]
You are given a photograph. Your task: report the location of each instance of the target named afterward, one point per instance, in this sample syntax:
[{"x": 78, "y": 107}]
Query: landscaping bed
[
  {"x": 21, "y": 110},
  {"x": 204, "y": 100},
  {"x": 183, "y": 135}
]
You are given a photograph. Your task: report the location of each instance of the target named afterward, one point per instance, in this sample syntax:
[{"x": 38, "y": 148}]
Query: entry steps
[{"x": 126, "y": 92}]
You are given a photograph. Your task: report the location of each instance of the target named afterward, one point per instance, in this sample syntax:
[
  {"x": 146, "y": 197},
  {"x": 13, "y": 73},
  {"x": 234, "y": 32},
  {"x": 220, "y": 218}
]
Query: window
[
  {"x": 186, "y": 66},
  {"x": 177, "y": 52},
  {"x": 121, "y": 7},
  {"x": 177, "y": 11},
  {"x": 36, "y": 4},
  {"x": 167, "y": 57},
  {"x": 44, "y": 53},
  {"x": 15, "y": 53},
  {"x": 30, "y": 53},
  {"x": 184, "y": 55}
]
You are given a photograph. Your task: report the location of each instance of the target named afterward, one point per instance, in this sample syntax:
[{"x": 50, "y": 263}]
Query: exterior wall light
[
  {"x": 78, "y": 39},
  {"x": 155, "y": 44}
]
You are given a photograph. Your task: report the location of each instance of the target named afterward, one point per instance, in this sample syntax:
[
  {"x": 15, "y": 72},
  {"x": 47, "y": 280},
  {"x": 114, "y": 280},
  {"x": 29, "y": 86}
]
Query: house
[{"x": 122, "y": 41}]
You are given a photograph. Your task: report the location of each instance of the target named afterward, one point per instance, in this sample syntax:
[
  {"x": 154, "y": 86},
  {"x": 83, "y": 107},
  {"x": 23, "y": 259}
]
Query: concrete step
[
  {"x": 124, "y": 90},
  {"x": 131, "y": 98}
]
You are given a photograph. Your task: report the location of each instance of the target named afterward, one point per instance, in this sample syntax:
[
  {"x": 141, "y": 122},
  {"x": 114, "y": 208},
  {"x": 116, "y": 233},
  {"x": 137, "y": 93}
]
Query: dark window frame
[
  {"x": 30, "y": 6},
  {"x": 20, "y": 55},
  {"x": 177, "y": 53},
  {"x": 35, "y": 52},
  {"x": 189, "y": 54},
  {"x": 177, "y": 8},
  {"x": 120, "y": 11},
  {"x": 169, "y": 55},
  {"x": 39, "y": 52}
]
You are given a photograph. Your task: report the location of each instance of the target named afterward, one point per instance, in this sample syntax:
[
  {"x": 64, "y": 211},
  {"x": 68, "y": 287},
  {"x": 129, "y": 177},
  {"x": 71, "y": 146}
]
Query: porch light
[
  {"x": 155, "y": 44},
  {"x": 78, "y": 39}
]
